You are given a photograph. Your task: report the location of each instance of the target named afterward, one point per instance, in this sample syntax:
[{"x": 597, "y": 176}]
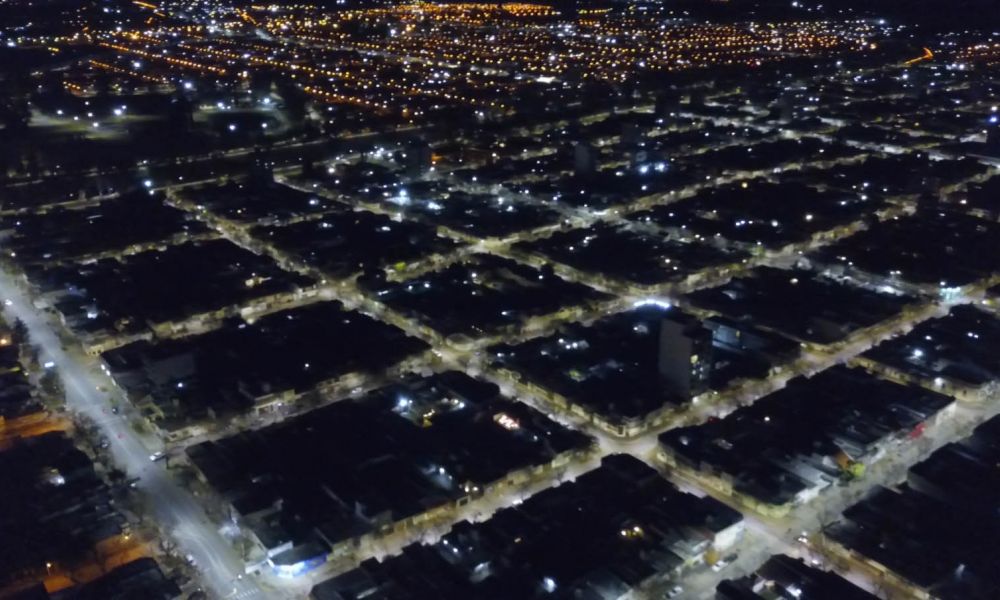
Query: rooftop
[
  {"x": 392, "y": 454},
  {"x": 598, "y": 536},
  {"x": 795, "y": 439}
]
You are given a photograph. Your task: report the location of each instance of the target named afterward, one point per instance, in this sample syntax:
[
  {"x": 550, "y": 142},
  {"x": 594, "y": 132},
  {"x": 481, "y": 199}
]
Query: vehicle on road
[
  {"x": 674, "y": 592},
  {"x": 725, "y": 562},
  {"x": 157, "y": 456}
]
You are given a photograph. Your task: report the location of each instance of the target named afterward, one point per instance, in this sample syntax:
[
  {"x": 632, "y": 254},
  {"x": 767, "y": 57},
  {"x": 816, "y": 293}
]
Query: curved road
[{"x": 173, "y": 507}]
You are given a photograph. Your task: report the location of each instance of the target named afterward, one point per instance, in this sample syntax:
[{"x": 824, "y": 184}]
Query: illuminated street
[{"x": 578, "y": 300}]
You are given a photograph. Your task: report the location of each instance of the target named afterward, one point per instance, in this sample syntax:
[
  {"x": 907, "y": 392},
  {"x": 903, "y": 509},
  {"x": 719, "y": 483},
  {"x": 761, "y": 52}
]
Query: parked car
[{"x": 725, "y": 562}]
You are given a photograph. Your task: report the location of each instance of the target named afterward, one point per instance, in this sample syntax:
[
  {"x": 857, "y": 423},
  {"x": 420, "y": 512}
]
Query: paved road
[{"x": 173, "y": 507}]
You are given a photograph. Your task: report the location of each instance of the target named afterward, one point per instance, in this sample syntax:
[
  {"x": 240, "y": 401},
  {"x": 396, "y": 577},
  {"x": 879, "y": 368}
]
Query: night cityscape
[{"x": 569, "y": 300}]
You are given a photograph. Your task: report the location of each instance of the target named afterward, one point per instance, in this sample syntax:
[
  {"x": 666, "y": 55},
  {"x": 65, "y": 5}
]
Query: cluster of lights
[
  {"x": 180, "y": 62},
  {"x": 604, "y": 45},
  {"x": 985, "y": 53},
  {"x": 506, "y": 421},
  {"x": 437, "y": 56},
  {"x": 130, "y": 72}
]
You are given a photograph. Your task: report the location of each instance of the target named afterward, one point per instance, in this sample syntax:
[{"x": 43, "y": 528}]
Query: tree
[
  {"x": 51, "y": 384},
  {"x": 310, "y": 399},
  {"x": 309, "y": 170},
  {"x": 103, "y": 84},
  {"x": 180, "y": 113},
  {"x": 296, "y": 101},
  {"x": 20, "y": 332},
  {"x": 16, "y": 115},
  {"x": 117, "y": 477},
  {"x": 991, "y": 392},
  {"x": 29, "y": 354},
  {"x": 261, "y": 83},
  {"x": 86, "y": 429}
]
